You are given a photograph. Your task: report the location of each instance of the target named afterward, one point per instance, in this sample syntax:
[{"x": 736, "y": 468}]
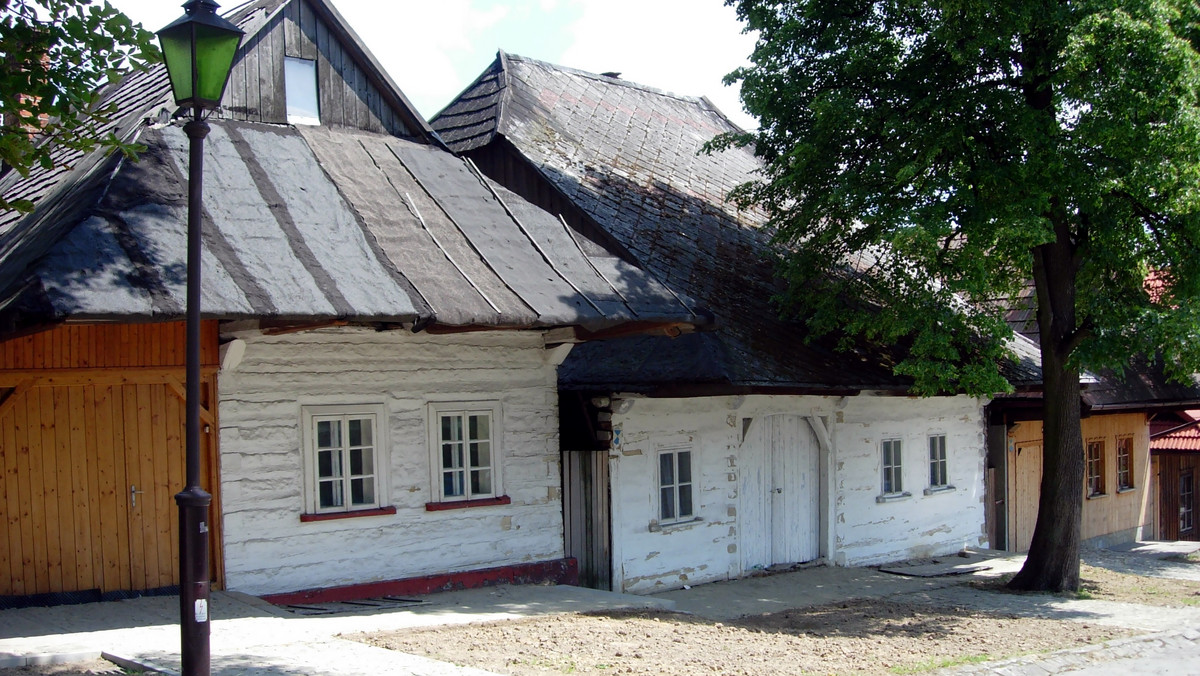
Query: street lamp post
[{"x": 198, "y": 49}]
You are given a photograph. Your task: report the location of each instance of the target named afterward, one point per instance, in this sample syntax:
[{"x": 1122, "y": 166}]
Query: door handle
[{"x": 133, "y": 493}]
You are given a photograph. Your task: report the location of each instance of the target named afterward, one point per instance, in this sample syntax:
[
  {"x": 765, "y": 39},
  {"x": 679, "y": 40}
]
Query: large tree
[
  {"x": 54, "y": 56},
  {"x": 926, "y": 160}
]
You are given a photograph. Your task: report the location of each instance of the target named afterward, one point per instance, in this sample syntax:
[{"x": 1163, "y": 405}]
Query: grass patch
[
  {"x": 1194, "y": 557},
  {"x": 930, "y": 665}
]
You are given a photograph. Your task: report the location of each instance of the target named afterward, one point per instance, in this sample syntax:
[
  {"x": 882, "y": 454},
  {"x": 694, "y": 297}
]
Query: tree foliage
[
  {"x": 54, "y": 57},
  {"x": 925, "y": 154}
]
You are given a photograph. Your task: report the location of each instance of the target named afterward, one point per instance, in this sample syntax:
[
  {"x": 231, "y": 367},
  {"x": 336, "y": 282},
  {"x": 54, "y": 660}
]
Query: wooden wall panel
[
  {"x": 347, "y": 95},
  {"x": 1115, "y": 511},
  {"x": 88, "y": 413},
  {"x": 1171, "y": 467},
  {"x": 107, "y": 346}
]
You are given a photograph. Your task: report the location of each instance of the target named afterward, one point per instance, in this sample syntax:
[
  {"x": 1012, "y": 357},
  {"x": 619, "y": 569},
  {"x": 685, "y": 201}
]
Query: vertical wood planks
[
  {"x": 27, "y": 584},
  {"x": 133, "y": 478},
  {"x": 162, "y": 485},
  {"x": 308, "y": 29},
  {"x": 55, "y": 540},
  {"x": 108, "y": 482},
  {"x": 270, "y": 72},
  {"x": 107, "y": 346},
  {"x": 81, "y": 497},
  {"x": 122, "y": 480},
  {"x": 10, "y": 544},
  {"x": 291, "y": 31}
]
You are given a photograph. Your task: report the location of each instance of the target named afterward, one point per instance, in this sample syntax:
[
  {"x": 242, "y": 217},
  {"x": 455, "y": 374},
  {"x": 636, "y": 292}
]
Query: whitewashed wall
[
  {"x": 269, "y": 550},
  {"x": 856, "y": 530},
  {"x": 868, "y": 532}
]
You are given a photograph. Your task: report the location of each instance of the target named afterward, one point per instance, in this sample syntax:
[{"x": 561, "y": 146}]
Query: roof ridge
[{"x": 617, "y": 81}]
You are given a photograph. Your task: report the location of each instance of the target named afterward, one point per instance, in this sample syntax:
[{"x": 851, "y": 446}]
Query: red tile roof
[{"x": 1176, "y": 434}]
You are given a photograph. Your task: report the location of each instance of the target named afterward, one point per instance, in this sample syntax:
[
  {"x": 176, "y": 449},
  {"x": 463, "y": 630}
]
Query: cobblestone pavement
[{"x": 1173, "y": 649}]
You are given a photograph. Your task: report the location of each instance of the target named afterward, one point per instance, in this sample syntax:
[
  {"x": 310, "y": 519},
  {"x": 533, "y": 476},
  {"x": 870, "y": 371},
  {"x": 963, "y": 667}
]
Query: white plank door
[{"x": 780, "y": 493}]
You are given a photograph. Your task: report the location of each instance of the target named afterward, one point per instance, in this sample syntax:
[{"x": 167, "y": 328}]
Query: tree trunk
[{"x": 1053, "y": 560}]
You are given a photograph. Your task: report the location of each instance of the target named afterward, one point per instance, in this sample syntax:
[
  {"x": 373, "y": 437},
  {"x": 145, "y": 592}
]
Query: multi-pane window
[
  {"x": 1095, "y": 468},
  {"x": 1124, "y": 463},
  {"x": 937, "y": 462},
  {"x": 466, "y": 451},
  {"x": 343, "y": 457},
  {"x": 675, "y": 486},
  {"x": 1186, "y": 504},
  {"x": 891, "y": 466}
]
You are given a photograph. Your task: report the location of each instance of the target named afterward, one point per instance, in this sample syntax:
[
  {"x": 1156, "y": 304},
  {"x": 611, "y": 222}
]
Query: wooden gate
[
  {"x": 92, "y": 458},
  {"x": 1025, "y": 489},
  {"x": 1179, "y": 499},
  {"x": 586, "y": 516},
  {"x": 780, "y": 493}
]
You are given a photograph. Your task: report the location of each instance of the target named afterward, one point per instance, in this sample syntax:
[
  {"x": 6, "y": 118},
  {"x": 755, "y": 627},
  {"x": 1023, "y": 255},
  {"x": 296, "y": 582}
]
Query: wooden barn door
[
  {"x": 91, "y": 460},
  {"x": 780, "y": 493},
  {"x": 1179, "y": 500},
  {"x": 586, "y": 516},
  {"x": 1025, "y": 488}
]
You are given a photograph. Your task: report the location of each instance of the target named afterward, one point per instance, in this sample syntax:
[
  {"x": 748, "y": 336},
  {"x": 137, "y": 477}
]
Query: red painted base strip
[
  {"x": 463, "y": 504},
  {"x": 559, "y": 571},
  {"x": 330, "y": 516}
]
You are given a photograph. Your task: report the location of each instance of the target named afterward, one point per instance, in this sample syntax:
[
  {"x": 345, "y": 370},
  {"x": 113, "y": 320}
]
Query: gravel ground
[
  {"x": 864, "y": 637},
  {"x": 870, "y": 636}
]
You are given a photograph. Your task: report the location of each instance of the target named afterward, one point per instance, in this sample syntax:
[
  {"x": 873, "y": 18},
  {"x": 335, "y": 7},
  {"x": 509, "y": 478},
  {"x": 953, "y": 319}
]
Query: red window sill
[
  {"x": 464, "y": 504},
  {"x": 330, "y": 516}
]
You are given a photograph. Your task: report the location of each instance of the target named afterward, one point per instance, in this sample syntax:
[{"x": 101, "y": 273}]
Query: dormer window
[{"x": 300, "y": 86}]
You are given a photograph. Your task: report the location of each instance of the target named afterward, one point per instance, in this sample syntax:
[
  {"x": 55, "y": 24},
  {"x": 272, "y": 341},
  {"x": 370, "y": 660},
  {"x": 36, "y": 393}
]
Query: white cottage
[
  {"x": 383, "y": 330},
  {"x": 728, "y": 451}
]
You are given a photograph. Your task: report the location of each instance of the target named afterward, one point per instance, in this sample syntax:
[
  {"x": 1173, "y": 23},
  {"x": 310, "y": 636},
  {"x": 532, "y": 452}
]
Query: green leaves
[
  {"x": 919, "y": 153},
  {"x": 55, "y": 55}
]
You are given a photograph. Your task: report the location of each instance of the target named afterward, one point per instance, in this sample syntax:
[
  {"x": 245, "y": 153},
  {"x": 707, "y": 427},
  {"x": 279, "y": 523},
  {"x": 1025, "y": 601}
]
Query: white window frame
[
  {"x": 310, "y": 417},
  {"x": 894, "y": 471},
  {"x": 292, "y": 85},
  {"x": 939, "y": 464},
  {"x": 437, "y": 411},
  {"x": 674, "y": 485}
]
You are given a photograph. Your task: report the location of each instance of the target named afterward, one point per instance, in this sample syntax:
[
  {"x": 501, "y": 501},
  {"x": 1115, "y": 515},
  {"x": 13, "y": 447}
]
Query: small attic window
[{"x": 300, "y": 86}]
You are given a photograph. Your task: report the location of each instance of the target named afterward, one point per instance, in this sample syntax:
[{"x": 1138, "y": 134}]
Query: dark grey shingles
[{"x": 507, "y": 250}]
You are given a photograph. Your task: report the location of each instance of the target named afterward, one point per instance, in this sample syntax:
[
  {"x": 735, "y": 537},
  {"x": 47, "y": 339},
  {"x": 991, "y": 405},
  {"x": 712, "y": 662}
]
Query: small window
[
  {"x": 937, "y": 462},
  {"x": 466, "y": 451},
  {"x": 1125, "y": 463},
  {"x": 891, "y": 467},
  {"x": 675, "y": 486},
  {"x": 1095, "y": 468},
  {"x": 300, "y": 88},
  {"x": 1186, "y": 504},
  {"x": 343, "y": 462}
]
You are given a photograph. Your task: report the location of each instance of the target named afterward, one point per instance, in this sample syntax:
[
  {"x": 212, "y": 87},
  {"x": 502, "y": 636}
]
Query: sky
[{"x": 434, "y": 49}]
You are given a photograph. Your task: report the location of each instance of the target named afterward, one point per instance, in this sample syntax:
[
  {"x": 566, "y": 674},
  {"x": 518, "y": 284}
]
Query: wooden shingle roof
[
  {"x": 630, "y": 158},
  {"x": 302, "y": 224}
]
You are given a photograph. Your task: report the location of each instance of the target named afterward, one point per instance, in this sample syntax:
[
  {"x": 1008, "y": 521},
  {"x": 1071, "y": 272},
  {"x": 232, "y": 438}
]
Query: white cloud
[
  {"x": 682, "y": 46},
  {"x": 433, "y": 50}
]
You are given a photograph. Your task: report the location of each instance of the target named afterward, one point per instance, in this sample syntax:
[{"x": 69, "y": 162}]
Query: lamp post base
[{"x": 194, "y": 583}]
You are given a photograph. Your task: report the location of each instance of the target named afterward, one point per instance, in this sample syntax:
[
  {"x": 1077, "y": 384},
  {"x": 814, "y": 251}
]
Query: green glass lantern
[{"x": 199, "y": 48}]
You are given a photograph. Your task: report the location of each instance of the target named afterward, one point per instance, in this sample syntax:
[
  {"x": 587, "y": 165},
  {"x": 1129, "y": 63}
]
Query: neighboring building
[
  {"x": 726, "y": 452},
  {"x": 383, "y": 330},
  {"x": 1175, "y": 459},
  {"x": 1119, "y": 485}
]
